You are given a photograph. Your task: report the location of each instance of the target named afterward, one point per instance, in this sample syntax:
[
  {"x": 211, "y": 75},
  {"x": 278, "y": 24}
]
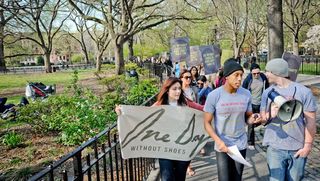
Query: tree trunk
[
  {"x": 84, "y": 49},
  {"x": 86, "y": 56},
  {"x": 2, "y": 62},
  {"x": 235, "y": 46},
  {"x": 295, "y": 44},
  {"x": 275, "y": 29},
  {"x": 255, "y": 45},
  {"x": 130, "y": 46},
  {"x": 118, "y": 53},
  {"x": 47, "y": 63},
  {"x": 98, "y": 62}
]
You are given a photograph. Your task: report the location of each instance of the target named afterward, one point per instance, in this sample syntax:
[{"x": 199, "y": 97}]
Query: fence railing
[
  {"x": 33, "y": 69},
  {"x": 100, "y": 158},
  {"x": 310, "y": 64}
]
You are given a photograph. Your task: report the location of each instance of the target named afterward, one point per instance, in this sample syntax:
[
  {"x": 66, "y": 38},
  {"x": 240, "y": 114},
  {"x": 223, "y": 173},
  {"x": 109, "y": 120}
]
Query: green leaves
[
  {"x": 12, "y": 139},
  {"x": 78, "y": 115}
]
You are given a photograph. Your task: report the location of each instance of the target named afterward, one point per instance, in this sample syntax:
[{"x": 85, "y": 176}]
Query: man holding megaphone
[{"x": 289, "y": 111}]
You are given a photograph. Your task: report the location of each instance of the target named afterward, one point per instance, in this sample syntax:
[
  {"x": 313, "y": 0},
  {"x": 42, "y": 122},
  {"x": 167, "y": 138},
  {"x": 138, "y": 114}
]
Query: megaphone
[{"x": 289, "y": 110}]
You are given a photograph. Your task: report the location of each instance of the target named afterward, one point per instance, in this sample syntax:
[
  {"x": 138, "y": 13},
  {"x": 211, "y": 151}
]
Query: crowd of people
[{"x": 234, "y": 104}]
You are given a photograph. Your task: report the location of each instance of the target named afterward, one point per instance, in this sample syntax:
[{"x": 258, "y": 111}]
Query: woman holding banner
[
  {"x": 190, "y": 92},
  {"x": 171, "y": 93},
  {"x": 229, "y": 107}
]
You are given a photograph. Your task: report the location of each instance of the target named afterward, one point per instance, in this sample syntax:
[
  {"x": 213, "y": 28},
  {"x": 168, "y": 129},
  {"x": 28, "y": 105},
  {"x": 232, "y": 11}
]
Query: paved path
[{"x": 206, "y": 167}]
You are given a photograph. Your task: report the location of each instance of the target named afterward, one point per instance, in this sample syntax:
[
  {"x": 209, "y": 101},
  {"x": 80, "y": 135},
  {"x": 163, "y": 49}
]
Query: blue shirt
[
  {"x": 229, "y": 119},
  {"x": 287, "y": 135}
]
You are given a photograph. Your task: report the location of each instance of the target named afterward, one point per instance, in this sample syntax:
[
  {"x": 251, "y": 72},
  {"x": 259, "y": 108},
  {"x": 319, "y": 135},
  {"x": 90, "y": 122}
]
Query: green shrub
[
  {"x": 118, "y": 83},
  {"x": 12, "y": 139},
  {"x": 134, "y": 66},
  {"x": 40, "y": 60},
  {"x": 78, "y": 114},
  {"x": 77, "y": 58},
  {"x": 141, "y": 92}
]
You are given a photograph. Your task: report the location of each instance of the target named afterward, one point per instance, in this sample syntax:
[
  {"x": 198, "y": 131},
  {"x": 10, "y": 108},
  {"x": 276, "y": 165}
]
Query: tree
[
  {"x": 125, "y": 18},
  {"x": 40, "y": 21},
  {"x": 80, "y": 25},
  {"x": 256, "y": 25},
  {"x": 313, "y": 40},
  {"x": 99, "y": 34},
  {"x": 300, "y": 13},
  {"x": 275, "y": 29},
  {"x": 233, "y": 18},
  {"x": 5, "y": 17}
]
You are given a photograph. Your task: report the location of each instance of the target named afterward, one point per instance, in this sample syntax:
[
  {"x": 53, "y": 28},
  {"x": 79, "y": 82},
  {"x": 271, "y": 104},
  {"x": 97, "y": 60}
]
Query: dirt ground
[
  {"x": 91, "y": 82},
  {"x": 38, "y": 150}
]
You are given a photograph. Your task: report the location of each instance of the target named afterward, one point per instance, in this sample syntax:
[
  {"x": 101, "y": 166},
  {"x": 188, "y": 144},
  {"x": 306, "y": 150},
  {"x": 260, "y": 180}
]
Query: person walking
[
  {"x": 229, "y": 108},
  {"x": 289, "y": 143},
  {"x": 256, "y": 82},
  {"x": 171, "y": 93},
  {"x": 191, "y": 92},
  {"x": 204, "y": 89},
  {"x": 220, "y": 79},
  {"x": 194, "y": 75}
]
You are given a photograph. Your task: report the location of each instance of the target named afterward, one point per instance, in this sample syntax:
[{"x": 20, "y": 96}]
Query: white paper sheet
[{"x": 236, "y": 155}]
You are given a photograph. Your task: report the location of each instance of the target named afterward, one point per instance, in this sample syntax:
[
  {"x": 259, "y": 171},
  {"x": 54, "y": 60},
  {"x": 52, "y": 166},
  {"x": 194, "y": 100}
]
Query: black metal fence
[
  {"x": 33, "y": 69},
  {"x": 99, "y": 159},
  {"x": 159, "y": 70},
  {"x": 310, "y": 64}
]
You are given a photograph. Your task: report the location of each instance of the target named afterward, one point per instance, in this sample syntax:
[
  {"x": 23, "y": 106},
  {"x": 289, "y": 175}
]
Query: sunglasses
[
  {"x": 187, "y": 77},
  {"x": 256, "y": 73}
]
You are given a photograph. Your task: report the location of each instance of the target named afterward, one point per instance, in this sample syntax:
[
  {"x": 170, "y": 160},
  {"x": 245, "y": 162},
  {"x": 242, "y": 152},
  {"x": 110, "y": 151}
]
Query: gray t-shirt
[
  {"x": 289, "y": 136},
  {"x": 256, "y": 88},
  {"x": 190, "y": 94},
  {"x": 229, "y": 115}
]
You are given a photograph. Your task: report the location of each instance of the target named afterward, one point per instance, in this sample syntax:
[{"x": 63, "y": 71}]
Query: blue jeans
[
  {"x": 228, "y": 169},
  {"x": 173, "y": 170},
  {"x": 284, "y": 166}
]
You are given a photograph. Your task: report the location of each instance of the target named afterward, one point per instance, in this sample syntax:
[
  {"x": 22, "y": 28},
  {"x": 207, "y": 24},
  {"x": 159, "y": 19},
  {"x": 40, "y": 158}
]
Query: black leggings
[{"x": 228, "y": 169}]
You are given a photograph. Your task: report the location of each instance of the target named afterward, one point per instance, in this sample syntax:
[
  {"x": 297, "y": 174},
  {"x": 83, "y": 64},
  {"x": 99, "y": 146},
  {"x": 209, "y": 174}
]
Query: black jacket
[{"x": 247, "y": 82}]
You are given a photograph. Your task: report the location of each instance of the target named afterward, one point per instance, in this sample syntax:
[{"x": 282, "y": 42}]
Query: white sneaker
[{"x": 251, "y": 147}]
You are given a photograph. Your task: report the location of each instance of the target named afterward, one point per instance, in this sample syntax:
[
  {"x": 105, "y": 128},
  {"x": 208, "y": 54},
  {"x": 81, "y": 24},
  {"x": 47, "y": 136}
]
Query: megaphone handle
[
  {"x": 269, "y": 119},
  {"x": 295, "y": 104}
]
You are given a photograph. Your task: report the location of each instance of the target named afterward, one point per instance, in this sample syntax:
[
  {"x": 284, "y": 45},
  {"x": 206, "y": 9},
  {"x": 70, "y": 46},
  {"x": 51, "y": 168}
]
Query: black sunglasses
[{"x": 187, "y": 77}]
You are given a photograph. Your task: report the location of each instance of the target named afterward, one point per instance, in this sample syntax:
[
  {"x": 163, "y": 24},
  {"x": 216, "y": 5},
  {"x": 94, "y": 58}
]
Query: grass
[
  {"x": 4, "y": 124},
  {"x": 14, "y": 100},
  {"x": 9, "y": 81}
]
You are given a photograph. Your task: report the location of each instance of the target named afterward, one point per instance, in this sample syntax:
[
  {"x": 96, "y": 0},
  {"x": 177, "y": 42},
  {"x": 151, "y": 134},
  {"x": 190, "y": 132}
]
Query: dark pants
[
  {"x": 173, "y": 170},
  {"x": 255, "y": 109},
  {"x": 228, "y": 169}
]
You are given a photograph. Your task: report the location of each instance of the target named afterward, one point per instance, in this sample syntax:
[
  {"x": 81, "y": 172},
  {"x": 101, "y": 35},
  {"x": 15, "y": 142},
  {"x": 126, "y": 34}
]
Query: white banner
[{"x": 169, "y": 132}]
